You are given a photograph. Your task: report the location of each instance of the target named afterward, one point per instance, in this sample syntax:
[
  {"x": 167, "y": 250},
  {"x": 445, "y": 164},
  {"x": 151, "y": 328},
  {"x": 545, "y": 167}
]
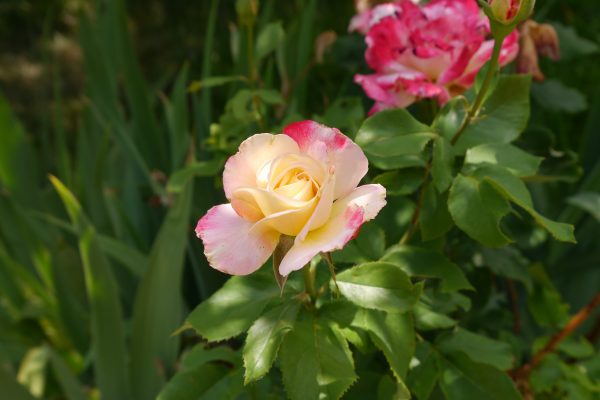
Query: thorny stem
[
  {"x": 522, "y": 374},
  {"x": 476, "y": 107}
]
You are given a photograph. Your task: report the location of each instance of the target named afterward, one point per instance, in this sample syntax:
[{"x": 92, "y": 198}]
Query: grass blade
[
  {"x": 108, "y": 334},
  {"x": 158, "y": 305}
]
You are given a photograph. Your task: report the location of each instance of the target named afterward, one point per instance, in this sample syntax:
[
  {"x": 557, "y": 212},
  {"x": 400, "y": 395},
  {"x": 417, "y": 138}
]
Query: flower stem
[
  {"x": 309, "y": 281},
  {"x": 476, "y": 107}
]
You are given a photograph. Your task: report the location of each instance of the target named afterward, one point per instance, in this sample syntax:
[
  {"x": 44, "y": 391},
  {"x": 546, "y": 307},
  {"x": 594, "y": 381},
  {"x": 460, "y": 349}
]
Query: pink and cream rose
[
  {"x": 430, "y": 51},
  {"x": 302, "y": 183}
]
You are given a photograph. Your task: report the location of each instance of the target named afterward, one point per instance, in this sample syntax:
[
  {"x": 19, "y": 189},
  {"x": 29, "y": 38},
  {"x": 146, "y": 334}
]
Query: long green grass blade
[
  {"x": 108, "y": 333},
  {"x": 158, "y": 306}
]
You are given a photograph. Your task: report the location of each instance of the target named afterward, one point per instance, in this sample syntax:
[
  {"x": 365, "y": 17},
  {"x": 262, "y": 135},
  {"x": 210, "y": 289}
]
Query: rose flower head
[
  {"x": 431, "y": 51},
  {"x": 302, "y": 183}
]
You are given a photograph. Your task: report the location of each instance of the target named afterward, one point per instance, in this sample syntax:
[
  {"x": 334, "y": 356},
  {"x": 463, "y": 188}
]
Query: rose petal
[
  {"x": 347, "y": 215},
  {"x": 254, "y": 152},
  {"x": 232, "y": 244},
  {"x": 295, "y": 212},
  {"x": 333, "y": 149}
]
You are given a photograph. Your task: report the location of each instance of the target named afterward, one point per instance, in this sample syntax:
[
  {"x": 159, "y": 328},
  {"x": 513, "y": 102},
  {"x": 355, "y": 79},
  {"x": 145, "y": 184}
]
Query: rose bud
[{"x": 510, "y": 12}]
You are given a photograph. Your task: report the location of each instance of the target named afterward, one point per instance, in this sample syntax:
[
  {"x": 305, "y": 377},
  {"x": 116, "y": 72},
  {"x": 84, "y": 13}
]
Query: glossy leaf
[
  {"x": 316, "y": 361},
  {"x": 477, "y": 209},
  {"x": 479, "y": 348},
  {"x": 394, "y": 139},
  {"x": 424, "y": 263},
  {"x": 504, "y": 116},
  {"x": 241, "y": 299},
  {"x": 378, "y": 285},
  {"x": 442, "y": 164},
  {"x": 508, "y": 156},
  {"x": 393, "y": 334},
  {"x": 463, "y": 379},
  {"x": 264, "y": 338}
]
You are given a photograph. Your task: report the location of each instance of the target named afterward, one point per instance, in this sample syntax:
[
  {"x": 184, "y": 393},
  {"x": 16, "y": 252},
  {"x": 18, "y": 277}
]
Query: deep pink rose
[
  {"x": 431, "y": 51},
  {"x": 302, "y": 183}
]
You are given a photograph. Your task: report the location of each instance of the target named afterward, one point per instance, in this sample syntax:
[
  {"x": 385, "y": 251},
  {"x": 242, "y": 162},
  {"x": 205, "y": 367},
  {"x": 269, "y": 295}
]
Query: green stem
[
  {"x": 476, "y": 107},
  {"x": 309, "y": 281}
]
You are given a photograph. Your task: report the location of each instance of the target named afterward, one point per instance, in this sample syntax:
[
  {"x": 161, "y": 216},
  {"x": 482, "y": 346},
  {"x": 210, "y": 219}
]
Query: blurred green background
[{"x": 135, "y": 105}]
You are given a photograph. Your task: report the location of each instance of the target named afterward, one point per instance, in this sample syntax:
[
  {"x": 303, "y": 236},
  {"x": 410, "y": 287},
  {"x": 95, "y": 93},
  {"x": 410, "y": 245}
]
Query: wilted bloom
[
  {"x": 302, "y": 183},
  {"x": 431, "y": 51},
  {"x": 536, "y": 39}
]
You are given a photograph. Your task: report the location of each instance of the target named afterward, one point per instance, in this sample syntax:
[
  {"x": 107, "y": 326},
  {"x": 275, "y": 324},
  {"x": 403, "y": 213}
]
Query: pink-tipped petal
[
  {"x": 347, "y": 215},
  {"x": 233, "y": 245},
  {"x": 241, "y": 169},
  {"x": 333, "y": 149}
]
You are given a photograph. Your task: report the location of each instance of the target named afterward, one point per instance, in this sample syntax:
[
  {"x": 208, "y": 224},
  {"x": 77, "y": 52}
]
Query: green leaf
[
  {"x": 241, "y": 299},
  {"x": 463, "y": 379},
  {"x": 555, "y": 96},
  {"x": 316, "y": 361},
  {"x": 508, "y": 156},
  {"x": 478, "y": 348},
  {"x": 508, "y": 262},
  {"x": 178, "y": 119},
  {"x": 158, "y": 307},
  {"x": 378, "y": 285},
  {"x": 71, "y": 387},
  {"x": 442, "y": 164},
  {"x": 371, "y": 241},
  {"x": 513, "y": 189},
  {"x": 426, "y": 319},
  {"x": 477, "y": 210},
  {"x": 545, "y": 302},
  {"x": 393, "y": 334},
  {"x": 269, "y": 38},
  {"x": 32, "y": 371},
  {"x": 18, "y": 163},
  {"x": 189, "y": 384},
  {"x": 571, "y": 44},
  {"x": 423, "y": 377},
  {"x": 265, "y": 337},
  {"x": 108, "y": 332},
  {"x": 213, "y": 81},
  {"x": 199, "y": 355},
  {"x": 435, "y": 218},
  {"x": 424, "y": 263},
  {"x": 178, "y": 180},
  {"x": 587, "y": 201},
  {"x": 394, "y": 139},
  {"x": 400, "y": 183},
  {"x": 504, "y": 116}
]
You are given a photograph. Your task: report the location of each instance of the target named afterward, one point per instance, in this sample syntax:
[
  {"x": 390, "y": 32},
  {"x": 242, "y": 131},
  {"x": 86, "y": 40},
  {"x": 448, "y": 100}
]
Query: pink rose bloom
[
  {"x": 433, "y": 51},
  {"x": 302, "y": 183}
]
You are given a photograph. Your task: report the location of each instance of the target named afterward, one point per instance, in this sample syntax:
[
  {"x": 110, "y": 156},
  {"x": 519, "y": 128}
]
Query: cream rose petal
[
  {"x": 333, "y": 149},
  {"x": 232, "y": 244},
  {"x": 241, "y": 169},
  {"x": 347, "y": 215}
]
